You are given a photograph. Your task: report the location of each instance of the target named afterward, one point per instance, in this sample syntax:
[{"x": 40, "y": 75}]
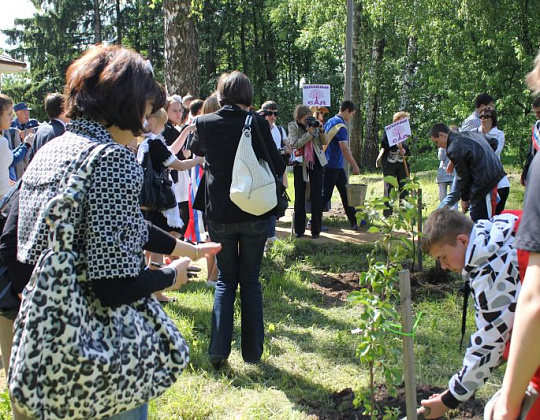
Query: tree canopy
[{"x": 428, "y": 57}]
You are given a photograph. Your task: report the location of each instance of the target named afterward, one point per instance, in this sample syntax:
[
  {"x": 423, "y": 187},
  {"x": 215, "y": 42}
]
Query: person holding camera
[
  {"x": 307, "y": 136},
  {"x": 269, "y": 110}
]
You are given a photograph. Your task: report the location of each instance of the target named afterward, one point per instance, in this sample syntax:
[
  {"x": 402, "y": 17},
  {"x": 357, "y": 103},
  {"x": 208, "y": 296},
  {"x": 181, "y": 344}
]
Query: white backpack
[{"x": 253, "y": 186}]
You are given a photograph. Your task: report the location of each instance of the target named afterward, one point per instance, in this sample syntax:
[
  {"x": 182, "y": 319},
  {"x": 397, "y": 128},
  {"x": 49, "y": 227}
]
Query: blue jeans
[
  {"x": 453, "y": 197},
  {"x": 238, "y": 262},
  {"x": 139, "y": 413}
]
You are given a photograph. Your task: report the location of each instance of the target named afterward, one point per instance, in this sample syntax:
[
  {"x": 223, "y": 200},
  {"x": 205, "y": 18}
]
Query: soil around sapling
[
  {"x": 336, "y": 287},
  {"x": 341, "y": 404},
  {"x": 434, "y": 283}
]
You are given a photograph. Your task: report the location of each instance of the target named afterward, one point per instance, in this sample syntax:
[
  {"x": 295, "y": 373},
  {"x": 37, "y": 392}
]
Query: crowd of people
[{"x": 133, "y": 253}]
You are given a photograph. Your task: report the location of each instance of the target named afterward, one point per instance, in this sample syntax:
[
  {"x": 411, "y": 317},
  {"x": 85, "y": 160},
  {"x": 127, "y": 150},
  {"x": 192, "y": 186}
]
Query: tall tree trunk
[
  {"x": 118, "y": 23},
  {"x": 357, "y": 95},
  {"x": 408, "y": 73},
  {"x": 181, "y": 48},
  {"x": 97, "y": 22},
  {"x": 371, "y": 140}
]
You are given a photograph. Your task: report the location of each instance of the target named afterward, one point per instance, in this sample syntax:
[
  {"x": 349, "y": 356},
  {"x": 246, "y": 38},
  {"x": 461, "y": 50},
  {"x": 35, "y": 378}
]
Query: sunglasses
[
  {"x": 485, "y": 116},
  {"x": 274, "y": 113}
]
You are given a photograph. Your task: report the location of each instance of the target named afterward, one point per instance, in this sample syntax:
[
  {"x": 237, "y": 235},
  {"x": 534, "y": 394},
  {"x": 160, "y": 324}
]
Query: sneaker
[
  {"x": 271, "y": 240},
  {"x": 315, "y": 236},
  {"x": 299, "y": 235},
  {"x": 211, "y": 283},
  {"x": 355, "y": 227}
]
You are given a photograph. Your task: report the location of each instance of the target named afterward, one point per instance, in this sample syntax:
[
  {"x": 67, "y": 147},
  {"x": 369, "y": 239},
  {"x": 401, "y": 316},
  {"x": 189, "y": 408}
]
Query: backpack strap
[
  {"x": 280, "y": 129},
  {"x": 466, "y": 292}
]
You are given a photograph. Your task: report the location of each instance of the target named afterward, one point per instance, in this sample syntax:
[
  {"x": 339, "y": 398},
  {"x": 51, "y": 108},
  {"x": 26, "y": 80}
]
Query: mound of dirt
[
  {"x": 433, "y": 283},
  {"x": 342, "y": 404},
  {"x": 336, "y": 288}
]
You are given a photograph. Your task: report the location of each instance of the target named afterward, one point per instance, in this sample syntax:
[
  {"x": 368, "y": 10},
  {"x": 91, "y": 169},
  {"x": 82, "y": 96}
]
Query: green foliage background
[{"x": 436, "y": 56}]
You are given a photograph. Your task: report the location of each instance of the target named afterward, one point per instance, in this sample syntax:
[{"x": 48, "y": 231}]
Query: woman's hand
[
  {"x": 199, "y": 160},
  {"x": 180, "y": 266},
  {"x": 207, "y": 249}
]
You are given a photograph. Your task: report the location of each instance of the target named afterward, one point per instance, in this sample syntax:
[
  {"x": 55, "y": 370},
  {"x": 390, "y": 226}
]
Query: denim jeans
[
  {"x": 139, "y": 413},
  {"x": 453, "y": 197},
  {"x": 336, "y": 177},
  {"x": 238, "y": 262}
]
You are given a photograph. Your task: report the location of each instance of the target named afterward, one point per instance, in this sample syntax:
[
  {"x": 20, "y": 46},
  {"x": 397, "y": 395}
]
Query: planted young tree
[{"x": 379, "y": 346}]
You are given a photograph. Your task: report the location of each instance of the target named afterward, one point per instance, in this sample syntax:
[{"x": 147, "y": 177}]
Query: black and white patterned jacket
[
  {"x": 113, "y": 230},
  {"x": 491, "y": 266}
]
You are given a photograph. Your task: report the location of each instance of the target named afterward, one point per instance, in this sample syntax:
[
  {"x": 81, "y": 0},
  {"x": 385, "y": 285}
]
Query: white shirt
[
  {"x": 276, "y": 135},
  {"x": 6, "y": 158}
]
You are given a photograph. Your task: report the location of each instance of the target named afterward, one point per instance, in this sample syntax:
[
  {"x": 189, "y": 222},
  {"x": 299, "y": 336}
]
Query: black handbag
[
  {"x": 9, "y": 301},
  {"x": 281, "y": 192},
  {"x": 156, "y": 193}
]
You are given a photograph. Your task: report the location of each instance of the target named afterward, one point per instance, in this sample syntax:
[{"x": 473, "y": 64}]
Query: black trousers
[
  {"x": 336, "y": 177},
  {"x": 395, "y": 169},
  {"x": 315, "y": 183}
]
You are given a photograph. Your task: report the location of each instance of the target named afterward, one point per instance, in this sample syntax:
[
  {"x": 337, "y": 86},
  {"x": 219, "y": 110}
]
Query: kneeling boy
[{"x": 485, "y": 256}]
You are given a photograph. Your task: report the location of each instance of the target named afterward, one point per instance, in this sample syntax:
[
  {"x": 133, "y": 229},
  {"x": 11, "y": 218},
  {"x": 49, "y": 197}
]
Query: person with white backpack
[{"x": 240, "y": 226}]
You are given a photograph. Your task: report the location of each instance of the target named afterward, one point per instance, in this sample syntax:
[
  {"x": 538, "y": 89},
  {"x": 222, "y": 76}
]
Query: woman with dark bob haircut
[
  {"x": 242, "y": 235},
  {"x": 109, "y": 90}
]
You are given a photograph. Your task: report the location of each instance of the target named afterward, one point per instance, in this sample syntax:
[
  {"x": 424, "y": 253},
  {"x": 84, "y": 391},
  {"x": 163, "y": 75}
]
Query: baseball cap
[{"x": 21, "y": 106}]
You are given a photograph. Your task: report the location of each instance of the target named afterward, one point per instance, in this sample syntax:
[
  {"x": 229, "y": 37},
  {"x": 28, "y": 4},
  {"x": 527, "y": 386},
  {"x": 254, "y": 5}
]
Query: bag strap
[
  {"x": 333, "y": 131},
  {"x": 466, "y": 292},
  {"x": 265, "y": 149},
  {"x": 280, "y": 129}
]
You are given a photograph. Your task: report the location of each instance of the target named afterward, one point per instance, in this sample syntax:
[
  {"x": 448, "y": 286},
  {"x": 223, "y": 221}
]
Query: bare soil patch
[
  {"x": 336, "y": 288},
  {"x": 342, "y": 404}
]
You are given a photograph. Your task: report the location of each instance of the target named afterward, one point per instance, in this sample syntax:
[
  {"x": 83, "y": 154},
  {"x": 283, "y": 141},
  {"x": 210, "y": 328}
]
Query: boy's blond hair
[
  {"x": 443, "y": 226},
  {"x": 160, "y": 115}
]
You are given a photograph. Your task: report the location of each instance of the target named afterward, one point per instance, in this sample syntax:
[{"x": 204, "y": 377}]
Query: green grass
[{"x": 309, "y": 351}]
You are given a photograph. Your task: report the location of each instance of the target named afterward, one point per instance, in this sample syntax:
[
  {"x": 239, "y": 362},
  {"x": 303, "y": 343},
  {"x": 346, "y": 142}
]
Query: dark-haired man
[
  {"x": 54, "y": 107},
  {"x": 477, "y": 166},
  {"x": 337, "y": 150},
  {"x": 472, "y": 122}
]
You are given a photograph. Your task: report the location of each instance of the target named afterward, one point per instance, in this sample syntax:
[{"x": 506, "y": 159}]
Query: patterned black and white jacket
[
  {"x": 491, "y": 267},
  {"x": 113, "y": 231}
]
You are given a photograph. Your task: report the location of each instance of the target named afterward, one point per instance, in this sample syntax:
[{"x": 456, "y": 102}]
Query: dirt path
[{"x": 340, "y": 234}]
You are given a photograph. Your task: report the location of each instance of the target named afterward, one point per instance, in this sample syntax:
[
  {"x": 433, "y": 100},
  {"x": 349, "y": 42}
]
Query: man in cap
[{"x": 22, "y": 121}]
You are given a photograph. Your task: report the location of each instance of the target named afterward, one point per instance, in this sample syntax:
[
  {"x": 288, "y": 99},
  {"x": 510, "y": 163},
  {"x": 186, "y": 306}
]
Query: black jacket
[
  {"x": 45, "y": 133},
  {"x": 218, "y": 137},
  {"x": 476, "y": 164}
]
